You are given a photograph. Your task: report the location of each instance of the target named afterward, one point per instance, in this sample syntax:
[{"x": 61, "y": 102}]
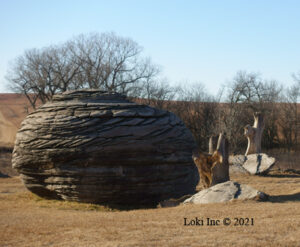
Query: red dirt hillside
[{"x": 12, "y": 112}]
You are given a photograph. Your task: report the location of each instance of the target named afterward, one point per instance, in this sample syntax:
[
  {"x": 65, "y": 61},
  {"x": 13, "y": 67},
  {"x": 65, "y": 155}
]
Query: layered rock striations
[{"x": 98, "y": 147}]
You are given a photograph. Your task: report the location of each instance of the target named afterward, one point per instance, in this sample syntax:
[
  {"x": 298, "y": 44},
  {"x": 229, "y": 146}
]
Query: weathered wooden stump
[
  {"x": 254, "y": 134},
  {"x": 220, "y": 171}
]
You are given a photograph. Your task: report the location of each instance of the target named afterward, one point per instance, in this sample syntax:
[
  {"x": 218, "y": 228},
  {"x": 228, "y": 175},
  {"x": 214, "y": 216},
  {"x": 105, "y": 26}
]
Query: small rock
[
  {"x": 237, "y": 159},
  {"x": 224, "y": 192},
  {"x": 236, "y": 164},
  {"x": 237, "y": 168},
  {"x": 258, "y": 163}
]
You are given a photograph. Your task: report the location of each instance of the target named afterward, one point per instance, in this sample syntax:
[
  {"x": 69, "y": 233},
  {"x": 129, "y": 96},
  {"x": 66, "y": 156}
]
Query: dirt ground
[{"x": 26, "y": 220}]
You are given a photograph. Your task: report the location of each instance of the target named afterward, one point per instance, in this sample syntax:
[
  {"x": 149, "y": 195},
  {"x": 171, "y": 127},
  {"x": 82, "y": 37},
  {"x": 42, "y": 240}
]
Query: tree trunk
[
  {"x": 213, "y": 143},
  {"x": 220, "y": 173},
  {"x": 254, "y": 134}
]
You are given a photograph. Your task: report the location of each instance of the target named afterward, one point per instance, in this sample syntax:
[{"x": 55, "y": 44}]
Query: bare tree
[
  {"x": 254, "y": 134},
  {"x": 247, "y": 94},
  {"x": 198, "y": 110},
  {"x": 33, "y": 75},
  {"x": 221, "y": 171},
  {"x": 110, "y": 62},
  {"x": 289, "y": 117},
  {"x": 158, "y": 93},
  {"x": 105, "y": 61}
]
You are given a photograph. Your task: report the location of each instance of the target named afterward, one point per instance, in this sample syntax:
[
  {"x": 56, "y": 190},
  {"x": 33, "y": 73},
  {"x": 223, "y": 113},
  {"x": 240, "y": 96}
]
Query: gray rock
[
  {"x": 255, "y": 164},
  {"x": 236, "y": 164},
  {"x": 237, "y": 159},
  {"x": 258, "y": 164},
  {"x": 224, "y": 192},
  {"x": 237, "y": 168},
  {"x": 98, "y": 147}
]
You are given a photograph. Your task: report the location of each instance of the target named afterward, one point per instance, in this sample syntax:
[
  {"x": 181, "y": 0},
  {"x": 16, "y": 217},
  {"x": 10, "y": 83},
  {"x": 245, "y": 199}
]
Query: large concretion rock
[{"x": 92, "y": 146}]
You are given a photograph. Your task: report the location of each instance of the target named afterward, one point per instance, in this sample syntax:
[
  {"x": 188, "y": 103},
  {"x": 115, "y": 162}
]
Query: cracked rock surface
[
  {"x": 254, "y": 164},
  {"x": 259, "y": 164},
  {"x": 224, "y": 192},
  {"x": 98, "y": 147}
]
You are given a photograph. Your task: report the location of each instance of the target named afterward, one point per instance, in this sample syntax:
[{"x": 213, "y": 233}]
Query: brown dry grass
[{"x": 26, "y": 220}]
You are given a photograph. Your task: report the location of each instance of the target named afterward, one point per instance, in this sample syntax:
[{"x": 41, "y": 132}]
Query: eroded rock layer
[{"x": 98, "y": 147}]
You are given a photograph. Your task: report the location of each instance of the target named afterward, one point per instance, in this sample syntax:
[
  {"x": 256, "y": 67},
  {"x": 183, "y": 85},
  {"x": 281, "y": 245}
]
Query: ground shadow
[
  {"x": 287, "y": 173},
  {"x": 282, "y": 175},
  {"x": 128, "y": 207},
  {"x": 285, "y": 198},
  {"x": 4, "y": 175}
]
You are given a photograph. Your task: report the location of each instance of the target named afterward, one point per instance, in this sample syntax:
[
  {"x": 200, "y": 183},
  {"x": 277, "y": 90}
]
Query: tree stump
[
  {"x": 213, "y": 143},
  {"x": 221, "y": 171},
  {"x": 254, "y": 134}
]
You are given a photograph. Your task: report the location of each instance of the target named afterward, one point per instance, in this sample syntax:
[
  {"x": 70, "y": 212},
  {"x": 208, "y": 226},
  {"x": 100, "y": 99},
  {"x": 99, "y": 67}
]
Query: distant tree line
[
  {"x": 115, "y": 64},
  {"x": 233, "y": 109}
]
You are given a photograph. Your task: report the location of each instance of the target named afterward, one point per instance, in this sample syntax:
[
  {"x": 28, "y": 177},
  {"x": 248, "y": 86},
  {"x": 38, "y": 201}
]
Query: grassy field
[{"x": 27, "y": 220}]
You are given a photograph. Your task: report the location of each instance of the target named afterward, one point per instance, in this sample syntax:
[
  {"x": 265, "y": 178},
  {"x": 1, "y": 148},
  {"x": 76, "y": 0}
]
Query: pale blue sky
[{"x": 194, "y": 41}]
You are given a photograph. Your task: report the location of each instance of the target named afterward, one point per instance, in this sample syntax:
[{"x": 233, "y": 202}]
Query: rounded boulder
[{"x": 98, "y": 147}]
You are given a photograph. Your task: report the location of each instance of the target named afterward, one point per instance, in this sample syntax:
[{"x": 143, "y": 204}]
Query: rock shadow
[
  {"x": 282, "y": 175},
  {"x": 285, "y": 198},
  {"x": 4, "y": 175}
]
